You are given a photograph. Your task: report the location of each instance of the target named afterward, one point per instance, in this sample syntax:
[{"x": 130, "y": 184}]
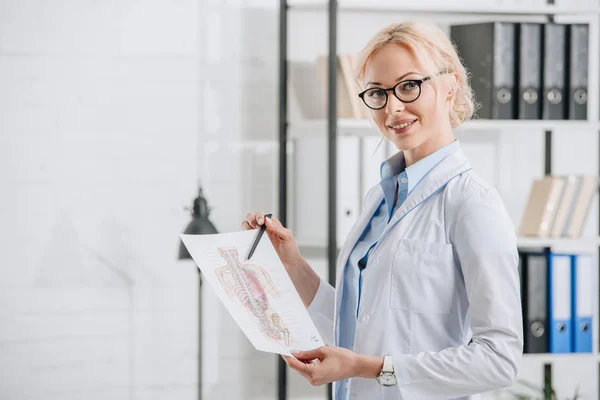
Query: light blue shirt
[{"x": 396, "y": 179}]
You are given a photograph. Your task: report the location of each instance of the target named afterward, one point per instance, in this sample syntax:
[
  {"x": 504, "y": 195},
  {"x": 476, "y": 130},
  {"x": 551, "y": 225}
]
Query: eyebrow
[{"x": 397, "y": 80}]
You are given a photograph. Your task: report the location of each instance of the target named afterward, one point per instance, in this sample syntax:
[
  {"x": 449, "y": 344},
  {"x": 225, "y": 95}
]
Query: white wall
[
  {"x": 110, "y": 112},
  {"x": 99, "y": 125},
  {"x": 98, "y": 111}
]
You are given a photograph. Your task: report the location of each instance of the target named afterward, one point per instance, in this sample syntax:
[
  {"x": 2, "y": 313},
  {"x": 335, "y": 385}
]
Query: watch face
[{"x": 387, "y": 379}]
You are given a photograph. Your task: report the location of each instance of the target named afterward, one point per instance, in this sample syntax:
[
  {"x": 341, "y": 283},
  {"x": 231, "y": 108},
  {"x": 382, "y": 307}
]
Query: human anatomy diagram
[{"x": 252, "y": 286}]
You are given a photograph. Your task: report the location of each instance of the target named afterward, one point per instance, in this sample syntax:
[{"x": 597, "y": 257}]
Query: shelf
[
  {"x": 541, "y": 124},
  {"x": 557, "y": 244},
  {"x": 549, "y": 357},
  {"x": 565, "y": 244},
  {"x": 464, "y": 9},
  {"x": 364, "y": 127}
]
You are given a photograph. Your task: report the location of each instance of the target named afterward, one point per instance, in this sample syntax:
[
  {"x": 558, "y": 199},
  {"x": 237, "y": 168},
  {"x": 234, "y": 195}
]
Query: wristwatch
[{"x": 386, "y": 376}]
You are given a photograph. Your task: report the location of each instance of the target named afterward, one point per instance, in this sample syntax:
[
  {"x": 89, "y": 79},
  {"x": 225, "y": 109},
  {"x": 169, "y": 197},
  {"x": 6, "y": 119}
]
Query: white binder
[{"x": 348, "y": 185}]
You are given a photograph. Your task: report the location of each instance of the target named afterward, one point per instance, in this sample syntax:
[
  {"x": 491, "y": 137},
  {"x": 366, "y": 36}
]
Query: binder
[
  {"x": 529, "y": 70},
  {"x": 348, "y": 189},
  {"x": 373, "y": 152},
  {"x": 565, "y": 205},
  {"x": 559, "y": 302},
  {"x": 309, "y": 187},
  {"x": 586, "y": 192},
  {"x": 578, "y": 70},
  {"x": 534, "y": 298},
  {"x": 582, "y": 302},
  {"x": 488, "y": 52},
  {"x": 554, "y": 71}
]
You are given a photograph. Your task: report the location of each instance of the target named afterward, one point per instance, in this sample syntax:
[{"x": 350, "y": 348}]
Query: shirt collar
[
  {"x": 416, "y": 172},
  {"x": 396, "y": 164},
  {"x": 393, "y": 166}
]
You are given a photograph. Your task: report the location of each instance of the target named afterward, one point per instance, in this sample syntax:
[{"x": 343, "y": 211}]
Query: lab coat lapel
[{"x": 449, "y": 168}]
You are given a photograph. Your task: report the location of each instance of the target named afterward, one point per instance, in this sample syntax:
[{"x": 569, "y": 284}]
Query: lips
[{"x": 402, "y": 126}]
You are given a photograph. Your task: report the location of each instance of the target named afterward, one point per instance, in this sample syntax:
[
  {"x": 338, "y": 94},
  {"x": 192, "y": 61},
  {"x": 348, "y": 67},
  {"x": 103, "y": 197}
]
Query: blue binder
[
  {"x": 582, "y": 303},
  {"x": 559, "y": 302}
]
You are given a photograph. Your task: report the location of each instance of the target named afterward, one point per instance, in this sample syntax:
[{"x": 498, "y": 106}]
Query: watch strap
[{"x": 388, "y": 364}]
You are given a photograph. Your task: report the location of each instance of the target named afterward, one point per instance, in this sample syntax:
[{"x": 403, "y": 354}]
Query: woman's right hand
[
  {"x": 283, "y": 240},
  {"x": 305, "y": 279}
]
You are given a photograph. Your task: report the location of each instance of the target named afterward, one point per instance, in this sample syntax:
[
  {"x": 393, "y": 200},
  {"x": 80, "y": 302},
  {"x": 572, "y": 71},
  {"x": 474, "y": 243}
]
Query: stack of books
[
  {"x": 558, "y": 206},
  {"x": 309, "y": 82}
]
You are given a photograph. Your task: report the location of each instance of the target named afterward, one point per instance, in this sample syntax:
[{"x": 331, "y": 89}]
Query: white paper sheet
[{"x": 258, "y": 293}]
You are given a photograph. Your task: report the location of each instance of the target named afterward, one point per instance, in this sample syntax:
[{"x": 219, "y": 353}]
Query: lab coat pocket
[{"x": 423, "y": 277}]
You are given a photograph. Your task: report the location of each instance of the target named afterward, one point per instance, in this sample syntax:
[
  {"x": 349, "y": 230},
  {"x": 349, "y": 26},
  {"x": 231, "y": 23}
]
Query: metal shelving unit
[
  {"x": 332, "y": 127},
  {"x": 364, "y": 128},
  {"x": 448, "y": 8}
]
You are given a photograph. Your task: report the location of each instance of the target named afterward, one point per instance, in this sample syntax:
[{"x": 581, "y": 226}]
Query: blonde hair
[{"x": 432, "y": 47}]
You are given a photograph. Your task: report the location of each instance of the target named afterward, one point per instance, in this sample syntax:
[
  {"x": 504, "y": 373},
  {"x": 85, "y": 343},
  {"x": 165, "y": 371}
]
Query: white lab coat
[{"x": 444, "y": 272}]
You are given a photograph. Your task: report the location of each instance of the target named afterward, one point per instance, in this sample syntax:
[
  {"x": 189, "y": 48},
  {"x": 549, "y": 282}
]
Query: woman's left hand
[{"x": 328, "y": 364}]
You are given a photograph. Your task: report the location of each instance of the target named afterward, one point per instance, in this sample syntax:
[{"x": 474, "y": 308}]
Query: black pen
[{"x": 259, "y": 234}]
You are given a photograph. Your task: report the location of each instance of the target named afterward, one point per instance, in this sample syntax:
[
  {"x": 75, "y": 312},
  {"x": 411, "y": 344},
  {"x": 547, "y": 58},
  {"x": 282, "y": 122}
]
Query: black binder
[
  {"x": 554, "y": 71},
  {"x": 534, "y": 297},
  {"x": 488, "y": 52},
  {"x": 578, "y": 70},
  {"x": 529, "y": 70}
]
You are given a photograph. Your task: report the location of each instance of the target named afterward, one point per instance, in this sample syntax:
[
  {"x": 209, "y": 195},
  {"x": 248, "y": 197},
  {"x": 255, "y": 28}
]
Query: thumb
[
  {"x": 274, "y": 225},
  {"x": 308, "y": 355}
]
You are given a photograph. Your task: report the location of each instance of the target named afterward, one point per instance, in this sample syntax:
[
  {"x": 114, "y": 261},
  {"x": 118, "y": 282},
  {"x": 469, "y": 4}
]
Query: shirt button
[
  {"x": 364, "y": 318},
  {"x": 346, "y": 385},
  {"x": 404, "y": 180}
]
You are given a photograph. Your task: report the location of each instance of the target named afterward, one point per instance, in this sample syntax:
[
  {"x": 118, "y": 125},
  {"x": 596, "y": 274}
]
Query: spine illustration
[{"x": 252, "y": 286}]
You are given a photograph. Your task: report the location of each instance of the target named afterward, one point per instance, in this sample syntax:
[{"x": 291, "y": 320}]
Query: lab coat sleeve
[
  {"x": 321, "y": 311},
  {"x": 485, "y": 245}
]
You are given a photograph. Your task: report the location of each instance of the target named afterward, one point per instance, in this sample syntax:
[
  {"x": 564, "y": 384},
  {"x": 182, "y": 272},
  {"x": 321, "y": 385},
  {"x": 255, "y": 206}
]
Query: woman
[{"x": 427, "y": 303}]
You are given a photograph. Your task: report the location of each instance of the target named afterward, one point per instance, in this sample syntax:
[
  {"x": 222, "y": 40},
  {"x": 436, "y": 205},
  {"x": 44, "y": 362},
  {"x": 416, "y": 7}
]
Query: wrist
[
  {"x": 305, "y": 280},
  {"x": 368, "y": 366}
]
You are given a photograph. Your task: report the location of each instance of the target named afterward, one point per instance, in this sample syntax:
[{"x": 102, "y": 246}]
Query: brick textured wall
[{"x": 98, "y": 103}]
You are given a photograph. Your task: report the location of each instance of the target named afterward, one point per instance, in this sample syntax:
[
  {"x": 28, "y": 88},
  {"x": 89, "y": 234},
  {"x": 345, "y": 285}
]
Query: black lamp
[{"x": 200, "y": 225}]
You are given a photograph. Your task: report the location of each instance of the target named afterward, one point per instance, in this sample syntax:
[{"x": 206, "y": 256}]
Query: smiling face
[{"x": 419, "y": 127}]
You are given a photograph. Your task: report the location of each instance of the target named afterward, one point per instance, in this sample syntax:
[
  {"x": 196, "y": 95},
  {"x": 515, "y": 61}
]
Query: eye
[
  {"x": 376, "y": 93},
  {"x": 408, "y": 86}
]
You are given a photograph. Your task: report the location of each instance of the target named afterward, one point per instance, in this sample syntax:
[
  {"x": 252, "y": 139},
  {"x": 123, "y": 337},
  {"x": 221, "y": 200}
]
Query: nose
[{"x": 393, "y": 104}]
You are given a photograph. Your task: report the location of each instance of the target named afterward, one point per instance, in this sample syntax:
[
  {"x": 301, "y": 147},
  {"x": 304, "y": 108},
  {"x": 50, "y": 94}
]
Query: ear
[{"x": 452, "y": 86}]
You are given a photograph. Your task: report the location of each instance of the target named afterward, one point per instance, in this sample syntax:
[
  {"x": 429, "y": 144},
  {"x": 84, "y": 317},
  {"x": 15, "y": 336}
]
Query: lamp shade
[{"x": 200, "y": 224}]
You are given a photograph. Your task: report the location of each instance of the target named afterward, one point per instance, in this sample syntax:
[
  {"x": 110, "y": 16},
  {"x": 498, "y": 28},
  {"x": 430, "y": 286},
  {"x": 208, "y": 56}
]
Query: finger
[
  {"x": 302, "y": 368},
  {"x": 305, "y": 362},
  {"x": 251, "y": 220},
  {"x": 275, "y": 226},
  {"x": 245, "y": 225},
  {"x": 312, "y": 372},
  {"x": 260, "y": 217},
  {"x": 272, "y": 232},
  {"x": 291, "y": 362},
  {"x": 306, "y": 376},
  {"x": 317, "y": 353}
]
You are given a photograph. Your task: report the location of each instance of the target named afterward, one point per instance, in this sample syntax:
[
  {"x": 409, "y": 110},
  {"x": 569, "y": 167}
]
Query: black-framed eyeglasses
[{"x": 406, "y": 91}]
